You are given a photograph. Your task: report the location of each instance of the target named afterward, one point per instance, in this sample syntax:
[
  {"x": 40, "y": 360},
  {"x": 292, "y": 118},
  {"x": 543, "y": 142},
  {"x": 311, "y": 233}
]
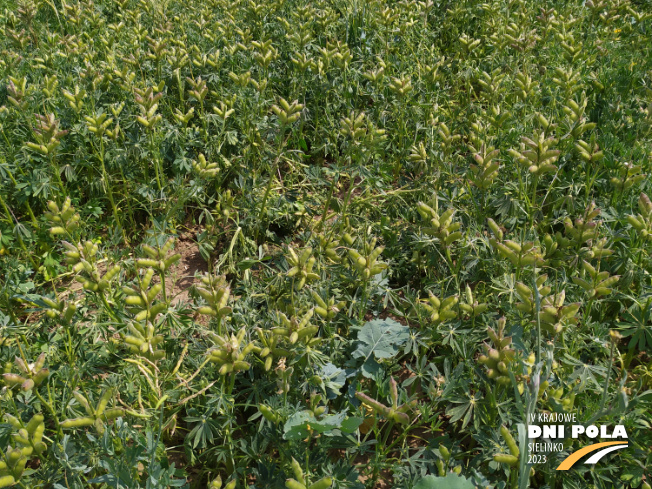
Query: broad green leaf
[
  {"x": 381, "y": 338},
  {"x": 296, "y": 427},
  {"x": 451, "y": 481}
]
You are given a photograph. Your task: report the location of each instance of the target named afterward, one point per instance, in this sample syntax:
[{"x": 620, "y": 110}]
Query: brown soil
[{"x": 182, "y": 275}]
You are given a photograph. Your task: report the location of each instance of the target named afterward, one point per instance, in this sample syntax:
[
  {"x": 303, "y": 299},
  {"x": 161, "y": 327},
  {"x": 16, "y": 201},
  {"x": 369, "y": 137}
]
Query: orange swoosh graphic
[{"x": 575, "y": 456}]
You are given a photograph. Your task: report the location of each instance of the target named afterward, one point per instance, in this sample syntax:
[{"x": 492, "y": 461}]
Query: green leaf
[
  {"x": 296, "y": 427},
  {"x": 381, "y": 338},
  {"x": 451, "y": 481}
]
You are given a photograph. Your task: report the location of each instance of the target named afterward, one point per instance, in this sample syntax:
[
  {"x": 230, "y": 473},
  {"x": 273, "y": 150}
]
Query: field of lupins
[{"x": 336, "y": 243}]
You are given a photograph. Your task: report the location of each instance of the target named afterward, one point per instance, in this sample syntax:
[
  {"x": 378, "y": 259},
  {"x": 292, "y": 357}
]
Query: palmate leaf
[
  {"x": 379, "y": 339},
  {"x": 204, "y": 431},
  {"x": 585, "y": 371},
  {"x": 464, "y": 410},
  {"x": 637, "y": 323}
]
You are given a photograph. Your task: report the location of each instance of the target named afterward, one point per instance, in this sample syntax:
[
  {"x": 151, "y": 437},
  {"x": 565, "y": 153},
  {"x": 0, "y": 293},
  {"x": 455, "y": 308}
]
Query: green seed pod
[
  {"x": 41, "y": 375},
  {"x": 324, "y": 483},
  {"x": 40, "y": 447},
  {"x": 268, "y": 413},
  {"x": 99, "y": 426},
  {"x": 510, "y": 460},
  {"x": 7, "y": 480},
  {"x": 495, "y": 229},
  {"x": 13, "y": 379},
  {"x": 230, "y": 484},
  {"x": 13, "y": 456},
  {"x": 226, "y": 368},
  {"x": 239, "y": 365},
  {"x": 292, "y": 484},
  {"x": 511, "y": 443},
  {"x": 69, "y": 313},
  {"x": 445, "y": 453},
  {"x": 77, "y": 422},
  {"x": 494, "y": 354},
  {"x": 36, "y": 420},
  {"x": 298, "y": 471},
  {"x": 113, "y": 413},
  {"x": 13, "y": 421}
]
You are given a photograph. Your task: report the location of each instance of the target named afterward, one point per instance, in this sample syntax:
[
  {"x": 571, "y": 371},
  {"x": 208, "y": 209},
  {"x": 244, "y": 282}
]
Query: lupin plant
[
  {"x": 300, "y": 481},
  {"x": 511, "y": 459},
  {"x": 148, "y": 101},
  {"x": 589, "y": 152},
  {"x": 486, "y": 169},
  {"x": 575, "y": 119},
  {"x": 47, "y": 134},
  {"x": 595, "y": 283},
  {"x": 30, "y": 375},
  {"x": 471, "y": 307},
  {"x": 327, "y": 308},
  {"x": 642, "y": 222},
  {"x": 95, "y": 416},
  {"x": 628, "y": 176},
  {"x": 419, "y": 156},
  {"x": 75, "y": 99},
  {"x": 17, "y": 92},
  {"x": 217, "y": 483},
  {"x": 62, "y": 311},
  {"x": 13, "y": 466},
  {"x": 28, "y": 436},
  {"x": 204, "y": 168},
  {"x": 561, "y": 398},
  {"x": 84, "y": 260},
  {"x": 497, "y": 358},
  {"x": 308, "y": 124},
  {"x": 329, "y": 246},
  {"x": 519, "y": 255},
  {"x": 396, "y": 413},
  {"x": 584, "y": 228},
  {"x": 536, "y": 154},
  {"x": 365, "y": 262},
  {"x": 295, "y": 329},
  {"x": 64, "y": 219},
  {"x": 269, "y": 414},
  {"x": 230, "y": 352},
  {"x": 447, "y": 138},
  {"x": 439, "y": 311},
  {"x": 48, "y": 138},
  {"x": 215, "y": 290},
  {"x": 554, "y": 315},
  {"x": 142, "y": 338},
  {"x": 302, "y": 265},
  {"x": 286, "y": 112},
  {"x": 270, "y": 349},
  {"x": 159, "y": 260},
  {"x": 441, "y": 226}
]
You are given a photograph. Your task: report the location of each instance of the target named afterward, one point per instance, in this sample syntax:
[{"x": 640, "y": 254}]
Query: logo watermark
[{"x": 553, "y": 428}]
